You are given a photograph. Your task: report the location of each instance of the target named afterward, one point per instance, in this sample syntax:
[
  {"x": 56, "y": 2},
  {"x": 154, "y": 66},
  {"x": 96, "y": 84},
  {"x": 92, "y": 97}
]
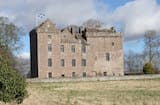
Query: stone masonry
[{"x": 75, "y": 51}]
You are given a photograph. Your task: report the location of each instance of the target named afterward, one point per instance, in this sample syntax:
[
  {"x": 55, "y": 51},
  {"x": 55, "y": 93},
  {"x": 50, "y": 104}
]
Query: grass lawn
[{"x": 127, "y": 92}]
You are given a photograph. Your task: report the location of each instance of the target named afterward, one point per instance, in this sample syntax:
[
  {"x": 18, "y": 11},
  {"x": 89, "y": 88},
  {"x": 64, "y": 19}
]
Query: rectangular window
[
  {"x": 104, "y": 73},
  {"x": 73, "y": 62},
  {"x": 62, "y": 48},
  {"x": 49, "y": 47},
  {"x": 62, "y": 75},
  {"x": 83, "y": 62},
  {"x": 84, "y": 74},
  {"x": 113, "y": 74},
  {"x": 50, "y": 75},
  {"x": 112, "y": 43},
  {"x": 73, "y": 48},
  {"x": 49, "y": 62},
  {"x": 49, "y": 36},
  {"x": 73, "y": 74},
  {"x": 107, "y": 57},
  {"x": 62, "y": 62},
  {"x": 83, "y": 49}
]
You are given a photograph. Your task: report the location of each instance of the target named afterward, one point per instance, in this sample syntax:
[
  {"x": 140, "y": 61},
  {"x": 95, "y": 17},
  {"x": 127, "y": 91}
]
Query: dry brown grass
[{"x": 128, "y": 92}]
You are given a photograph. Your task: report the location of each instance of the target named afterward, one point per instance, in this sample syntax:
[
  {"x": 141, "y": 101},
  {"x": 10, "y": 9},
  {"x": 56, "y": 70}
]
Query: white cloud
[
  {"x": 72, "y": 12},
  {"x": 24, "y": 55},
  {"x": 137, "y": 17},
  {"x": 60, "y": 11}
]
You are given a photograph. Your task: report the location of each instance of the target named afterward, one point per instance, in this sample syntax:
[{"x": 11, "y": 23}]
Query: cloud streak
[
  {"x": 62, "y": 12},
  {"x": 23, "y": 55},
  {"x": 137, "y": 17},
  {"x": 133, "y": 18}
]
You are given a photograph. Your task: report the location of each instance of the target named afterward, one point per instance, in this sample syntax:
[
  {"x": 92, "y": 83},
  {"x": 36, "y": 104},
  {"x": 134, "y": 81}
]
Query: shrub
[
  {"x": 12, "y": 85},
  {"x": 148, "y": 68}
]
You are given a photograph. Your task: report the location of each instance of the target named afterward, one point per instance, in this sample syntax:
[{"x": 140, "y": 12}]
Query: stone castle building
[{"x": 75, "y": 51}]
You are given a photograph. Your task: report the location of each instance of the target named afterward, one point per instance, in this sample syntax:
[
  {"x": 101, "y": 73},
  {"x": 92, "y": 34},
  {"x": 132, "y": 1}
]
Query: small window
[
  {"x": 62, "y": 62},
  {"x": 73, "y": 62},
  {"x": 83, "y": 62},
  {"x": 49, "y": 47},
  {"x": 107, "y": 57},
  {"x": 73, "y": 74},
  {"x": 62, "y": 75},
  {"x": 104, "y": 73},
  {"x": 49, "y": 36},
  {"x": 83, "y": 49},
  {"x": 73, "y": 48},
  {"x": 50, "y": 75},
  {"x": 62, "y": 48},
  {"x": 113, "y": 74},
  {"x": 49, "y": 62},
  {"x": 84, "y": 74},
  {"x": 112, "y": 43}
]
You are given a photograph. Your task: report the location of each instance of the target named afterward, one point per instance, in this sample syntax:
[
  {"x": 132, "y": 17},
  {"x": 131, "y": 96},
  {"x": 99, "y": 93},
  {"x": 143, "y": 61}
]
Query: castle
[{"x": 75, "y": 51}]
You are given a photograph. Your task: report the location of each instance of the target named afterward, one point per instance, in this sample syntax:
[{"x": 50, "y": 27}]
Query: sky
[{"x": 131, "y": 17}]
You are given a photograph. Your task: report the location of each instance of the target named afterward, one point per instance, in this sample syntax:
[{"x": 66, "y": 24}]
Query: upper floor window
[
  {"x": 73, "y": 62},
  {"x": 49, "y": 36},
  {"x": 49, "y": 39},
  {"x": 62, "y": 62},
  {"x": 112, "y": 43},
  {"x": 73, "y": 48},
  {"x": 83, "y": 49},
  {"x": 62, "y": 48},
  {"x": 107, "y": 56},
  {"x": 49, "y": 47},
  {"x": 49, "y": 62},
  {"x": 83, "y": 62}
]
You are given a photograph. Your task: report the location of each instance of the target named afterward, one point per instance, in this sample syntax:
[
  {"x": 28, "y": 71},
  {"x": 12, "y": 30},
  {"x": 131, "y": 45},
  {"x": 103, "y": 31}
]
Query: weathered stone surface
[{"x": 98, "y": 42}]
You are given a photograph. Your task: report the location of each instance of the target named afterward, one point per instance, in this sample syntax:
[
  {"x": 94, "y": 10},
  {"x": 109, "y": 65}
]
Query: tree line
[
  {"x": 12, "y": 83},
  {"x": 146, "y": 62}
]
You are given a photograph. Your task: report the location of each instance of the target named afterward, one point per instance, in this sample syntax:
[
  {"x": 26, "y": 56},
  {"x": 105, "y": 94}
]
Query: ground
[{"x": 120, "y": 92}]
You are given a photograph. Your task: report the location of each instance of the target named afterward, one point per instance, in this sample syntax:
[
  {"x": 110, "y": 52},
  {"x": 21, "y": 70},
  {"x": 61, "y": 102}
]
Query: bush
[
  {"x": 148, "y": 68},
  {"x": 12, "y": 85}
]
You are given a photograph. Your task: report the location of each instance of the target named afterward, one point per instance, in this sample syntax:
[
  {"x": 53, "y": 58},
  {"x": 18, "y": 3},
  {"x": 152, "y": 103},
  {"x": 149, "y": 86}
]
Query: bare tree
[
  {"x": 23, "y": 65},
  {"x": 10, "y": 34},
  {"x": 152, "y": 49},
  {"x": 133, "y": 62},
  {"x": 151, "y": 42},
  {"x": 10, "y": 42}
]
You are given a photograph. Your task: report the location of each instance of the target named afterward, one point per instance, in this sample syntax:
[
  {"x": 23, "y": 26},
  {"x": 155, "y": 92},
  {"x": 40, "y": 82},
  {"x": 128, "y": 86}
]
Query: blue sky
[
  {"x": 132, "y": 17},
  {"x": 114, "y": 4}
]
